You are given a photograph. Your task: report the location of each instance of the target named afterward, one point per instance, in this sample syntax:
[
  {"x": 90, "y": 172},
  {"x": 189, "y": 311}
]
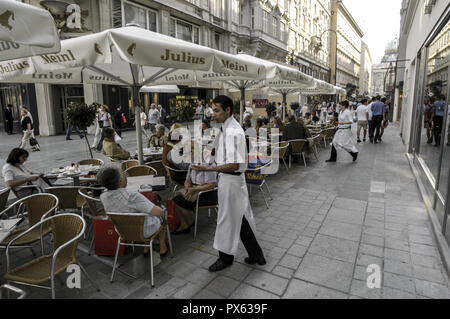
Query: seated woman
[
  {"x": 308, "y": 119},
  {"x": 173, "y": 152},
  {"x": 17, "y": 176},
  {"x": 111, "y": 148},
  {"x": 185, "y": 200},
  {"x": 117, "y": 199},
  {"x": 158, "y": 139}
]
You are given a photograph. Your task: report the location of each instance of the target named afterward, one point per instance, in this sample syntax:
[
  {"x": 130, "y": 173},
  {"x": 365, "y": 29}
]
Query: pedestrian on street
[
  {"x": 107, "y": 122},
  {"x": 378, "y": 116},
  {"x": 9, "y": 120},
  {"x": 153, "y": 117},
  {"x": 427, "y": 119},
  {"x": 343, "y": 138},
  {"x": 362, "y": 113},
  {"x": 98, "y": 126},
  {"x": 385, "y": 122},
  {"x": 69, "y": 129},
  {"x": 437, "y": 118},
  {"x": 118, "y": 121},
  {"x": 235, "y": 216},
  {"x": 162, "y": 115},
  {"x": 28, "y": 131}
]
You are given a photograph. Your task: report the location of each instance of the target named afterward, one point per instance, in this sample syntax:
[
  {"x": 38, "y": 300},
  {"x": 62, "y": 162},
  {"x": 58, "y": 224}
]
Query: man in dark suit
[
  {"x": 295, "y": 130},
  {"x": 9, "y": 120}
]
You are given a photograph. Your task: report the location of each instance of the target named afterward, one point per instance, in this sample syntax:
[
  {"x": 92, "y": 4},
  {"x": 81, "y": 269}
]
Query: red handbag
[
  {"x": 105, "y": 238},
  {"x": 124, "y": 119},
  {"x": 172, "y": 218},
  {"x": 153, "y": 197}
]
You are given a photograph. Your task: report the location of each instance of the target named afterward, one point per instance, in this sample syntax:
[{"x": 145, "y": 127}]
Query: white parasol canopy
[
  {"x": 128, "y": 56},
  {"x": 26, "y": 30},
  {"x": 160, "y": 89}
]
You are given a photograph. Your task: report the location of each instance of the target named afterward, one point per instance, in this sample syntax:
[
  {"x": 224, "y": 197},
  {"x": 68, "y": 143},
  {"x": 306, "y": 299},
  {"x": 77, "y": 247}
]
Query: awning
[
  {"x": 26, "y": 30},
  {"x": 160, "y": 89}
]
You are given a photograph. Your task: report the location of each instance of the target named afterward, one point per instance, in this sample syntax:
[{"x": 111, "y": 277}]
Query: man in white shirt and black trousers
[{"x": 235, "y": 216}]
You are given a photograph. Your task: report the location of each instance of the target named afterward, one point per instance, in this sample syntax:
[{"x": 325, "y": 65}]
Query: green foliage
[
  {"x": 270, "y": 109},
  {"x": 185, "y": 111},
  {"x": 295, "y": 105},
  {"x": 80, "y": 115}
]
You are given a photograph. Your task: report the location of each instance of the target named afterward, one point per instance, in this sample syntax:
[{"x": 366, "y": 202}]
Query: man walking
[
  {"x": 437, "y": 118},
  {"x": 362, "y": 113},
  {"x": 153, "y": 117},
  {"x": 235, "y": 216},
  {"x": 378, "y": 115},
  {"x": 162, "y": 115},
  {"x": 9, "y": 120}
]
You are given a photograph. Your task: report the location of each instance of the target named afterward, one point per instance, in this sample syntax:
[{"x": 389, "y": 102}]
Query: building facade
[
  {"x": 365, "y": 78},
  {"x": 383, "y": 74},
  {"x": 349, "y": 49},
  {"x": 286, "y": 31},
  {"x": 425, "y": 34}
]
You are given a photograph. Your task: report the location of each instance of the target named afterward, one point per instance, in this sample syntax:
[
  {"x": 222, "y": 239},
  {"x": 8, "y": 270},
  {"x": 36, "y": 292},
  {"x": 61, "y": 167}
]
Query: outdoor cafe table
[
  {"x": 134, "y": 183},
  {"x": 77, "y": 174}
]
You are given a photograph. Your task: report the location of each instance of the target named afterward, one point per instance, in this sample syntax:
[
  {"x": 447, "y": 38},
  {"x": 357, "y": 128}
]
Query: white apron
[
  {"x": 233, "y": 205},
  {"x": 343, "y": 139}
]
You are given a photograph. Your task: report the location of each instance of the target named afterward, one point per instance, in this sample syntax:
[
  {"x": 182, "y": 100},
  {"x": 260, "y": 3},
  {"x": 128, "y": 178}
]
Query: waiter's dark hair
[
  {"x": 224, "y": 102},
  {"x": 344, "y": 103},
  {"x": 13, "y": 157}
]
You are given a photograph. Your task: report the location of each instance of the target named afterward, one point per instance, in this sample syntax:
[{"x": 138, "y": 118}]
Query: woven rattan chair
[
  {"x": 130, "y": 228},
  {"x": 68, "y": 197},
  {"x": 313, "y": 142},
  {"x": 282, "y": 149},
  {"x": 36, "y": 189},
  {"x": 297, "y": 148},
  {"x": 127, "y": 164},
  {"x": 260, "y": 181},
  {"x": 327, "y": 134},
  {"x": 140, "y": 170},
  {"x": 4, "y": 194},
  {"x": 208, "y": 207},
  {"x": 37, "y": 206},
  {"x": 176, "y": 177},
  {"x": 67, "y": 230},
  {"x": 91, "y": 161},
  {"x": 158, "y": 166},
  {"x": 95, "y": 206}
]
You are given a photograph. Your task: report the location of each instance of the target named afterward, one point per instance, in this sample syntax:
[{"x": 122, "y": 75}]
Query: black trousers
[
  {"x": 250, "y": 243},
  {"x": 376, "y": 127},
  {"x": 100, "y": 144},
  {"x": 333, "y": 156},
  {"x": 9, "y": 126},
  {"x": 437, "y": 128}
]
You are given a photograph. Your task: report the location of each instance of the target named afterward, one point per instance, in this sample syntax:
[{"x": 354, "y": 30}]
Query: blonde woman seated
[
  {"x": 185, "y": 200},
  {"x": 117, "y": 199},
  {"x": 158, "y": 139}
]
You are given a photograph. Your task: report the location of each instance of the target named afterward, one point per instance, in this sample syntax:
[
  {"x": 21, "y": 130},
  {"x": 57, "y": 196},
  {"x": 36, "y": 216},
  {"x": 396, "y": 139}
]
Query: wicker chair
[
  {"x": 4, "y": 194},
  {"x": 176, "y": 177},
  {"x": 95, "y": 209},
  {"x": 327, "y": 134},
  {"x": 68, "y": 197},
  {"x": 127, "y": 164},
  {"x": 67, "y": 230},
  {"x": 297, "y": 148},
  {"x": 158, "y": 166},
  {"x": 91, "y": 161},
  {"x": 38, "y": 207},
  {"x": 282, "y": 148},
  {"x": 208, "y": 207},
  {"x": 130, "y": 228},
  {"x": 258, "y": 171},
  {"x": 140, "y": 170},
  {"x": 313, "y": 142}
]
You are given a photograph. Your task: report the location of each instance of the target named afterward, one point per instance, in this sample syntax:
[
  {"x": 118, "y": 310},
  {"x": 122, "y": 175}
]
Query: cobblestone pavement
[{"x": 326, "y": 224}]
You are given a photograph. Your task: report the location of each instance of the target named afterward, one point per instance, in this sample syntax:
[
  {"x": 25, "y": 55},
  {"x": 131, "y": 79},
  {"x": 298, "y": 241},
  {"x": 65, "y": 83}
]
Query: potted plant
[
  {"x": 82, "y": 116},
  {"x": 185, "y": 111}
]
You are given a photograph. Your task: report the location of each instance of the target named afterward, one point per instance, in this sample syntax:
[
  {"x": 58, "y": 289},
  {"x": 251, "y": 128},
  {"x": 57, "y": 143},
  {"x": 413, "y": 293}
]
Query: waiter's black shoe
[
  {"x": 68, "y": 139},
  {"x": 260, "y": 261},
  {"x": 218, "y": 265},
  {"x": 330, "y": 160},
  {"x": 354, "y": 155}
]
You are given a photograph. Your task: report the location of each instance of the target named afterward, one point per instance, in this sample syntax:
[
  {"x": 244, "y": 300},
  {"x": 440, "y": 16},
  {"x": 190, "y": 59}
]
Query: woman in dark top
[
  {"x": 118, "y": 120},
  {"x": 9, "y": 119},
  {"x": 28, "y": 131}
]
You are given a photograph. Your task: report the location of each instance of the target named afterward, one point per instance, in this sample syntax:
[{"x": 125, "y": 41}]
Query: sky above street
[{"x": 379, "y": 20}]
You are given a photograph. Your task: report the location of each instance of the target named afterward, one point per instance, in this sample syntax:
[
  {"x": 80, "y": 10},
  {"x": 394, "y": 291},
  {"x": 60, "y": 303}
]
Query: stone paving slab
[{"x": 325, "y": 225}]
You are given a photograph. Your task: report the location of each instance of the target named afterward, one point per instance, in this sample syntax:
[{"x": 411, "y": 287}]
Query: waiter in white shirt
[
  {"x": 343, "y": 138},
  {"x": 235, "y": 216}
]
